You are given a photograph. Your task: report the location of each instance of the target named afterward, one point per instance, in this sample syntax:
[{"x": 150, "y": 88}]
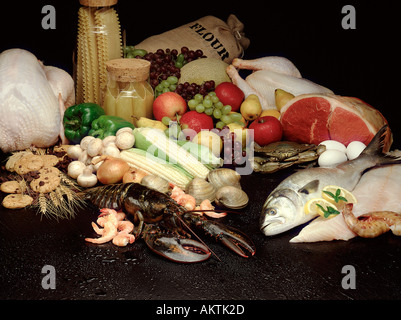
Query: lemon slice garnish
[
  {"x": 338, "y": 196},
  {"x": 322, "y": 207}
]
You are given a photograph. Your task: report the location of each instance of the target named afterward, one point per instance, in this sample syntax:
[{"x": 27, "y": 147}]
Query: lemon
[
  {"x": 312, "y": 207},
  {"x": 211, "y": 140},
  {"x": 338, "y": 195}
]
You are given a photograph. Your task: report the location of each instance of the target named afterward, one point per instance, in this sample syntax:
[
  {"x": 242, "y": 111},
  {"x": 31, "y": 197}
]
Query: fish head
[{"x": 280, "y": 212}]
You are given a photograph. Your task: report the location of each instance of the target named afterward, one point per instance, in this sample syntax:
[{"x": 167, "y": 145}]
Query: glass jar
[{"x": 128, "y": 93}]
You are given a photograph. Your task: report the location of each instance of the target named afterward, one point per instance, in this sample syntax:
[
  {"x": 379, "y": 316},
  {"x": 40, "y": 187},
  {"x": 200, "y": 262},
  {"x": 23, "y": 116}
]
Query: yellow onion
[
  {"x": 112, "y": 170},
  {"x": 134, "y": 175}
]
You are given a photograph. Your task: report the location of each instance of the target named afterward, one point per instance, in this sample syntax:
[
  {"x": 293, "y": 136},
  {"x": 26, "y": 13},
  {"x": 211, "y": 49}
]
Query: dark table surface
[{"x": 278, "y": 271}]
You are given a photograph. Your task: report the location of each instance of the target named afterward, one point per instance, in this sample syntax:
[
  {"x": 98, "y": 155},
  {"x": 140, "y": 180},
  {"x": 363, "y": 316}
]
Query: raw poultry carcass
[
  {"x": 33, "y": 98},
  {"x": 269, "y": 74}
]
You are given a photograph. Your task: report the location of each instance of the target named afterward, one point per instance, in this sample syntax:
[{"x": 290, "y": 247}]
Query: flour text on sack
[{"x": 212, "y": 39}]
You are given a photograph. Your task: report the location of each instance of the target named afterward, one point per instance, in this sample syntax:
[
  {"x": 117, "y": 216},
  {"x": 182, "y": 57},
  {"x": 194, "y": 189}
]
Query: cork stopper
[
  {"x": 98, "y": 3},
  {"x": 128, "y": 70}
]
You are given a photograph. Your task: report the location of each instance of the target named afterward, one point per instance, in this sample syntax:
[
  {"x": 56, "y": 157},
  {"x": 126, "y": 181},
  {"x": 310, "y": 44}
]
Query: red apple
[
  {"x": 229, "y": 94},
  {"x": 266, "y": 130},
  {"x": 169, "y": 104},
  {"x": 196, "y": 121}
]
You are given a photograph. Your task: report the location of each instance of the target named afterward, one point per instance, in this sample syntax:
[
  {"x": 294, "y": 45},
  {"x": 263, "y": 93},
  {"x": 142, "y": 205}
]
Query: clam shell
[
  {"x": 156, "y": 183},
  {"x": 200, "y": 189},
  {"x": 224, "y": 177},
  {"x": 231, "y": 197}
]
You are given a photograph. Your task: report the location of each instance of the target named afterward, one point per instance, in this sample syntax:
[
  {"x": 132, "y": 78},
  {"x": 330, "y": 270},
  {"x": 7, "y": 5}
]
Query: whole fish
[
  {"x": 284, "y": 208},
  {"x": 378, "y": 190}
]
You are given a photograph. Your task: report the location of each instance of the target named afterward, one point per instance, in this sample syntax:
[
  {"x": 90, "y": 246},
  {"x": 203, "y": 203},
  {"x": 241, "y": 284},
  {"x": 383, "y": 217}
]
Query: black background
[{"x": 363, "y": 62}]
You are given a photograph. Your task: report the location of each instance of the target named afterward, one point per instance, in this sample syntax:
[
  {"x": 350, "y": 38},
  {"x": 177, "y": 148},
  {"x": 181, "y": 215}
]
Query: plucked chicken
[
  {"x": 271, "y": 73},
  {"x": 33, "y": 98}
]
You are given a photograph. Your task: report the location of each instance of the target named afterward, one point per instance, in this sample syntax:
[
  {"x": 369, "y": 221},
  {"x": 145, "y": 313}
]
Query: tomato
[{"x": 229, "y": 94}]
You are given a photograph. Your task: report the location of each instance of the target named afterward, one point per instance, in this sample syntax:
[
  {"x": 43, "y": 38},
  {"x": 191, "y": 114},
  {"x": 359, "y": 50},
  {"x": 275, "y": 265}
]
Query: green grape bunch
[{"x": 211, "y": 105}]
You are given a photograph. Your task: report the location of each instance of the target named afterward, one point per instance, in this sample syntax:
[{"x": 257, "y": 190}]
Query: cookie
[
  {"x": 11, "y": 187},
  {"x": 27, "y": 163},
  {"x": 49, "y": 171},
  {"x": 17, "y": 201},
  {"x": 49, "y": 160},
  {"x": 49, "y": 179},
  {"x": 11, "y": 161}
]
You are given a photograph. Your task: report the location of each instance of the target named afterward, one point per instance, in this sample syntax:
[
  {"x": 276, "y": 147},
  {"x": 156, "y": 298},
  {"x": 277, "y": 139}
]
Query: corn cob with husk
[
  {"x": 98, "y": 40},
  {"x": 140, "y": 159},
  {"x": 157, "y": 142}
]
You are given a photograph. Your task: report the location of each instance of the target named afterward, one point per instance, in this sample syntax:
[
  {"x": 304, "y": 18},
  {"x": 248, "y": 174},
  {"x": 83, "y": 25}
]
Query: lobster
[{"x": 165, "y": 225}]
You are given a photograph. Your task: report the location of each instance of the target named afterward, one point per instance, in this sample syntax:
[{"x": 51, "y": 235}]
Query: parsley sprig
[
  {"x": 328, "y": 211},
  {"x": 336, "y": 197}
]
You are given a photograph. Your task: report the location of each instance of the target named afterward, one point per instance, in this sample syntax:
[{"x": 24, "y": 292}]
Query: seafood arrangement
[
  {"x": 163, "y": 223},
  {"x": 284, "y": 208},
  {"x": 382, "y": 182}
]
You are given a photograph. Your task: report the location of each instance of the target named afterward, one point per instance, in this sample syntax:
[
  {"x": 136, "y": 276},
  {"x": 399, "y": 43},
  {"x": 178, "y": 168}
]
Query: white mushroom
[
  {"x": 95, "y": 147},
  {"x": 74, "y": 152},
  {"x": 87, "y": 178},
  {"x": 75, "y": 168},
  {"x": 125, "y": 140}
]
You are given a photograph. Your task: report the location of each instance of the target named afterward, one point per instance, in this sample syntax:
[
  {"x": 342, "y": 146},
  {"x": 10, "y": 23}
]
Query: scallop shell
[
  {"x": 200, "y": 189},
  {"x": 224, "y": 177},
  {"x": 156, "y": 183},
  {"x": 231, "y": 197}
]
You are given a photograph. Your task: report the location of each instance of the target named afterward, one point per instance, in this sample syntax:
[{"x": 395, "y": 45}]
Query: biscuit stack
[{"x": 37, "y": 182}]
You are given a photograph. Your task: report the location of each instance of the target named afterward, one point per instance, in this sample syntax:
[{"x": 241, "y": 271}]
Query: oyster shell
[
  {"x": 231, "y": 197},
  {"x": 224, "y": 177},
  {"x": 200, "y": 189}
]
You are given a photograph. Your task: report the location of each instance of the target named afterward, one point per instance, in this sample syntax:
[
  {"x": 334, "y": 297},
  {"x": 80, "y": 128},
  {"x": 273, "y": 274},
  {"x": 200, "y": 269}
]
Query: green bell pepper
[
  {"x": 105, "y": 126},
  {"x": 78, "y": 120}
]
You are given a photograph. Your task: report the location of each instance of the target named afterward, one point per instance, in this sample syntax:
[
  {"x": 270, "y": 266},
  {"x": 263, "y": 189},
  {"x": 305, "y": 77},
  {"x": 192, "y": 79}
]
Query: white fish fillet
[{"x": 378, "y": 190}]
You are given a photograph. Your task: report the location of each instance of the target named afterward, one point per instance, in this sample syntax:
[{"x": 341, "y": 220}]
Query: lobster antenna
[
  {"x": 200, "y": 240},
  {"x": 212, "y": 210}
]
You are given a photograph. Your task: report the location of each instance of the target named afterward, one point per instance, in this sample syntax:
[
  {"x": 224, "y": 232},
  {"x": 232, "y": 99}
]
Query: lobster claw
[
  {"x": 231, "y": 238},
  {"x": 174, "y": 248}
]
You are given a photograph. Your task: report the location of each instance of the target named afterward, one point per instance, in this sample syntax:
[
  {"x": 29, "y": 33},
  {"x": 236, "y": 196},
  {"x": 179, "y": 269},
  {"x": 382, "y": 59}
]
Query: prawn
[
  {"x": 123, "y": 238},
  {"x": 372, "y": 224},
  {"x": 109, "y": 215},
  {"x": 183, "y": 199},
  {"x": 125, "y": 226},
  {"x": 108, "y": 232},
  {"x": 209, "y": 209},
  {"x": 114, "y": 228}
]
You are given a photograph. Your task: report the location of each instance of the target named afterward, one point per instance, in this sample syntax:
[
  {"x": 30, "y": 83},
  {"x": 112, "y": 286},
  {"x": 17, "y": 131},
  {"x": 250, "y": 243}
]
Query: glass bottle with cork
[{"x": 128, "y": 93}]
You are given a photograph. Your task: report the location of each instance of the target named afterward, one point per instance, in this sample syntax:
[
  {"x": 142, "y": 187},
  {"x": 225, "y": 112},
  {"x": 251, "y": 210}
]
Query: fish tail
[{"x": 375, "y": 148}]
